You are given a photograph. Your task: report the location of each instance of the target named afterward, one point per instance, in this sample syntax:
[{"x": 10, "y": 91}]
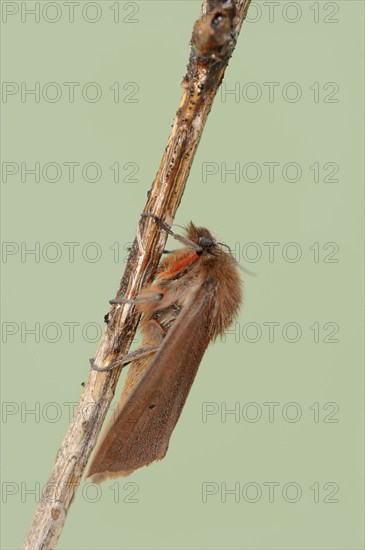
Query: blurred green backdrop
[{"x": 278, "y": 176}]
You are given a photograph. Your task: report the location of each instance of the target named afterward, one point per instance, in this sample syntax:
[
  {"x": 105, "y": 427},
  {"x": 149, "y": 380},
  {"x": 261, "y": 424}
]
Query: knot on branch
[{"x": 213, "y": 35}]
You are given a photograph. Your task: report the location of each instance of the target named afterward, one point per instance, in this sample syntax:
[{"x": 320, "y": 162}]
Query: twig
[{"x": 204, "y": 75}]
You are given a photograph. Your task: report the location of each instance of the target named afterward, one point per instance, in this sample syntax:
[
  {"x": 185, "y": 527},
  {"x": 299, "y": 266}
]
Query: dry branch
[{"x": 204, "y": 75}]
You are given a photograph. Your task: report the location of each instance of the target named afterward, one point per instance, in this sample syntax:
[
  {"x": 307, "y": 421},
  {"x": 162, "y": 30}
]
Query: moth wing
[{"x": 143, "y": 426}]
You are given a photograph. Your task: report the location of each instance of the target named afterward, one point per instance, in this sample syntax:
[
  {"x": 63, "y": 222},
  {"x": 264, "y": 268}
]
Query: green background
[{"x": 322, "y": 377}]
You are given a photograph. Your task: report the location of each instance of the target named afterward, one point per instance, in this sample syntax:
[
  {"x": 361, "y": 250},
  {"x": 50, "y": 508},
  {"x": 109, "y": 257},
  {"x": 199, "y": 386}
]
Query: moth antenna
[
  {"x": 177, "y": 225},
  {"x": 252, "y": 273},
  {"x": 226, "y": 245},
  {"x": 168, "y": 230}
]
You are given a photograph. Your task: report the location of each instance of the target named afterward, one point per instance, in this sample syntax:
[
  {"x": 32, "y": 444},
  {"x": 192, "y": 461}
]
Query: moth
[{"x": 194, "y": 298}]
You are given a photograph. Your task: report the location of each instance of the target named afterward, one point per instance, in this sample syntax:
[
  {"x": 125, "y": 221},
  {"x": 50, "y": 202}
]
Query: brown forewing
[{"x": 142, "y": 428}]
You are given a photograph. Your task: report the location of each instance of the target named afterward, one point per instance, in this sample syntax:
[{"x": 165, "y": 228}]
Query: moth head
[{"x": 201, "y": 237}]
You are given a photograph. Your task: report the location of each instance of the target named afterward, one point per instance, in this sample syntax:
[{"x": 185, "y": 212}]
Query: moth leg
[
  {"x": 159, "y": 222},
  {"x": 145, "y": 296},
  {"x": 121, "y": 301},
  {"x": 168, "y": 230},
  {"x": 132, "y": 356}
]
